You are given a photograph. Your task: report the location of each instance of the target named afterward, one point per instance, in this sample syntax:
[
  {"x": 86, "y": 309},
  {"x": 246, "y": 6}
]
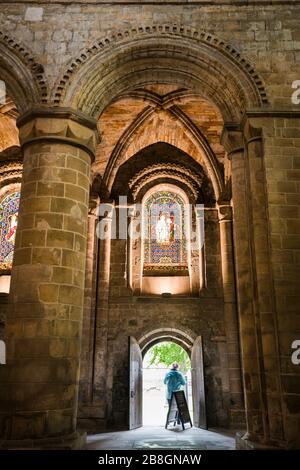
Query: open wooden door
[
  {"x": 199, "y": 408},
  {"x": 135, "y": 385}
]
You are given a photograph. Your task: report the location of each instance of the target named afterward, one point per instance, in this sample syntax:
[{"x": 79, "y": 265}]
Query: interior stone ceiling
[
  {"x": 121, "y": 118},
  {"x": 9, "y": 135},
  {"x": 165, "y": 110}
]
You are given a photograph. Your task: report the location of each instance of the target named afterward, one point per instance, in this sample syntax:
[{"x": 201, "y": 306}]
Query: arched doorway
[
  {"x": 156, "y": 364},
  {"x": 138, "y": 350}
]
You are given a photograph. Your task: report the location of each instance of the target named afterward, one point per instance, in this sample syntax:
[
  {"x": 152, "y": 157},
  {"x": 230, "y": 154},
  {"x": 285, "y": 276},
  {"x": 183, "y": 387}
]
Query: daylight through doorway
[{"x": 156, "y": 363}]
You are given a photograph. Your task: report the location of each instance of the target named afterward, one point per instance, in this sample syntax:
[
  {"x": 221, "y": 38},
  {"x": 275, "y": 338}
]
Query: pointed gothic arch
[{"x": 204, "y": 154}]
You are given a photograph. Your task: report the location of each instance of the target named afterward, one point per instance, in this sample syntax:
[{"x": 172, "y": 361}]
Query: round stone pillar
[
  {"x": 233, "y": 142},
  {"x": 135, "y": 243},
  {"x": 230, "y": 315},
  {"x": 39, "y": 384},
  {"x": 102, "y": 378},
  {"x": 201, "y": 239},
  {"x": 267, "y": 322}
]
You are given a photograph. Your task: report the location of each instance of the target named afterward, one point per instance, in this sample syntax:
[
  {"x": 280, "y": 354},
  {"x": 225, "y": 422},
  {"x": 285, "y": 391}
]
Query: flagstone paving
[{"x": 157, "y": 437}]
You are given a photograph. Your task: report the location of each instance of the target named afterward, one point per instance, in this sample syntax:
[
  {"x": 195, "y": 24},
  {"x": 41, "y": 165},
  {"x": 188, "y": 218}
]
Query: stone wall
[
  {"x": 282, "y": 166},
  {"x": 264, "y": 35},
  {"x": 268, "y": 35},
  {"x": 123, "y": 315},
  {"x": 3, "y": 313}
]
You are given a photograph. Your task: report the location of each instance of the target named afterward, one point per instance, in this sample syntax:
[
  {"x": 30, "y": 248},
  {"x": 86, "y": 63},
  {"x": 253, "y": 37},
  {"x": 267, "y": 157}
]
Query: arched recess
[
  {"x": 23, "y": 76},
  {"x": 192, "y": 344},
  {"x": 158, "y": 163},
  {"x": 166, "y": 53},
  {"x": 154, "y": 174},
  {"x": 130, "y": 144},
  {"x": 163, "y": 167}
]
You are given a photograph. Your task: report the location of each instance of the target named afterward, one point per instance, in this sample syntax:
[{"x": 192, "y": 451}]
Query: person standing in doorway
[{"x": 173, "y": 380}]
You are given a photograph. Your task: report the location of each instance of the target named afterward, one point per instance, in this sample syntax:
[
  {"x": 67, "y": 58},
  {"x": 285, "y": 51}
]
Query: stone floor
[{"x": 157, "y": 437}]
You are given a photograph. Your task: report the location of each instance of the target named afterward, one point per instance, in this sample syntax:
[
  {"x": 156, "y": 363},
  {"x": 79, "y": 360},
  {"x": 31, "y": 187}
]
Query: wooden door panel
[
  {"x": 199, "y": 407},
  {"x": 135, "y": 384}
]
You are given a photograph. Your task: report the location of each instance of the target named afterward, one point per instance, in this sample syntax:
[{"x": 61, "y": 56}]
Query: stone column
[
  {"x": 120, "y": 252},
  {"x": 87, "y": 344},
  {"x": 230, "y": 315},
  {"x": 193, "y": 258},
  {"x": 233, "y": 142},
  {"x": 102, "y": 377},
  {"x": 136, "y": 245},
  {"x": 201, "y": 239},
  {"x": 264, "y": 285},
  {"x": 131, "y": 229},
  {"x": 39, "y": 384}
]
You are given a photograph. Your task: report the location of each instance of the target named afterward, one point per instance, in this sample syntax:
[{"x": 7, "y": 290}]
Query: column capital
[
  {"x": 252, "y": 129},
  {"x": 106, "y": 210},
  {"x": 232, "y": 139},
  {"x": 225, "y": 213},
  {"x": 133, "y": 212},
  {"x": 199, "y": 211},
  {"x": 59, "y": 125}
]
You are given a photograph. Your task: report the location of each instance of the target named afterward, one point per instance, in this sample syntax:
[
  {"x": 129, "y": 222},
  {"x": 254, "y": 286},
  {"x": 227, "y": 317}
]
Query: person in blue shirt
[{"x": 173, "y": 380}]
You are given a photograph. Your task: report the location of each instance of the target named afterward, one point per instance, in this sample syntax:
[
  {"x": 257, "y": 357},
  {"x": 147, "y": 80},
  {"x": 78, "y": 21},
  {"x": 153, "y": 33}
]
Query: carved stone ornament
[{"x": 59, "y": 125}]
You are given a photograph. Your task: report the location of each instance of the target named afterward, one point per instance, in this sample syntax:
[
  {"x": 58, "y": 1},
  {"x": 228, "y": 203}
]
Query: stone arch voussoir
[
  {"x": 22, "y": 74},
  {"x": 86, "y": 72},
  {"x": 182, "y": 337}
]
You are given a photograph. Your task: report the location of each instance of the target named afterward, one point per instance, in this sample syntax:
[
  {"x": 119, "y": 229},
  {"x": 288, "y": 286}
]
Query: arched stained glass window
[
  {"x": 164, "y": 233},
  {"x": 9, "y": 206}
]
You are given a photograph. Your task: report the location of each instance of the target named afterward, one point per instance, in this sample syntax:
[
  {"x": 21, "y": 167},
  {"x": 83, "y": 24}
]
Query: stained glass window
[
  {"x": 164, "y": 234},
  {"x": 9, "y": 206}
]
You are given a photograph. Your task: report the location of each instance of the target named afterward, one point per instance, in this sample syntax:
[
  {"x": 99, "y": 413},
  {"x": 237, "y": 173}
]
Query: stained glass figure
[
  {"x": 9, "y": 206},
  {"x": 164, "y": 234}
]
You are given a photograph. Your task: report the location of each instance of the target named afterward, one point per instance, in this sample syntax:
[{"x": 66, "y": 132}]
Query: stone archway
[
  {"x": 193, "y": 346},
  {"x": 102, "y": 72},
  {"x": 183, "y": 338},
  {"x": 242, "y": 91},
  {"x": 127, "y": 52},
  {"x": 24, "y": 77}
]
